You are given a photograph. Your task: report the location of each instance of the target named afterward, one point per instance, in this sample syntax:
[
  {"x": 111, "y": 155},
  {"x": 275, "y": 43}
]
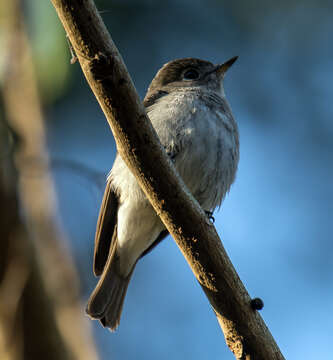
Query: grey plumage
[{"x": 187, "y": 107}]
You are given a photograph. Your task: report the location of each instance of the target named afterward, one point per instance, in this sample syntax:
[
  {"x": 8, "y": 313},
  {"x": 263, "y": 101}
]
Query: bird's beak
[{"x": 222, "y": 69}]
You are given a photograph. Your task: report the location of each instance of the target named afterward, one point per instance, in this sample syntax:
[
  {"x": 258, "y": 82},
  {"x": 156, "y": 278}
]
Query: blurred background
[{"x": 276, "y": 223}]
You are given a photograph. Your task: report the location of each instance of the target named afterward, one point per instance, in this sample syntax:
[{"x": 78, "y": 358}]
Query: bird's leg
[
  {"x": 210, "y": 216},
  {"x": 172, "y": 155}
]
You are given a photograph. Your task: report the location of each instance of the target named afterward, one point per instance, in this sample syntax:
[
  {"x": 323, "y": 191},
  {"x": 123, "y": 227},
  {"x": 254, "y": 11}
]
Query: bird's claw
[{"x": 210, "y": 216}]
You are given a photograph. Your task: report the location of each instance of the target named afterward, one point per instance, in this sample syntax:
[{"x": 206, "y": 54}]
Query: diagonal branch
[{"x": 246, "y": 334}]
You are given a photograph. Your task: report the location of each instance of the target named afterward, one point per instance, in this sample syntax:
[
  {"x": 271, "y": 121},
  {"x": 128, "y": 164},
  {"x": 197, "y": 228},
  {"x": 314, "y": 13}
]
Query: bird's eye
[{"x": 191, "y": 75}]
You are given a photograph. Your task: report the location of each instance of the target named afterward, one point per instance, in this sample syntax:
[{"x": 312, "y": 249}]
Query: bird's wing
[
  {"x": 160, "y": 237},
  {"x": 150, "y": 99},
  {"x": 107, "y": 219},
  {"x": 106, "y": 225}
]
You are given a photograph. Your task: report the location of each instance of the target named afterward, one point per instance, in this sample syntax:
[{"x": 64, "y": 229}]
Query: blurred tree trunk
[{"x": 40, "y": 313}]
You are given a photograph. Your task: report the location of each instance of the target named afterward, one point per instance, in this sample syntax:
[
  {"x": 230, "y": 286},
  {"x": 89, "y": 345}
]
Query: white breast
[
  {"x": 205, "y": 153},
  {"x": 203, "y": 141}
]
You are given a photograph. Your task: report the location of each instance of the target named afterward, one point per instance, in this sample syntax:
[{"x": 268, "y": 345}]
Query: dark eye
[{"x": 191, "y": 75}]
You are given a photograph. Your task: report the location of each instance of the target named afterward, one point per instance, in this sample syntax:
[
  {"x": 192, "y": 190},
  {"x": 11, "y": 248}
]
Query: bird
[{"x": 187, "y": 107}]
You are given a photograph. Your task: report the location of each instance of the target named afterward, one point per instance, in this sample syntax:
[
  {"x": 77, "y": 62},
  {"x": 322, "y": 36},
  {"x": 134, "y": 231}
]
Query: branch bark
[{"x": 245, "y": 332}]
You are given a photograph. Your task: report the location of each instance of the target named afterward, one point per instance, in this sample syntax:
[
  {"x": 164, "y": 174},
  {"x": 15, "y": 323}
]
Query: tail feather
[
  {"x": 106, "y": 301},
  {"x": 112, "y": 313}
]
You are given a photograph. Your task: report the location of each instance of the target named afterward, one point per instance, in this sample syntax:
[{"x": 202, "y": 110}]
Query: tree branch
[{"x": 244, "y": 330}]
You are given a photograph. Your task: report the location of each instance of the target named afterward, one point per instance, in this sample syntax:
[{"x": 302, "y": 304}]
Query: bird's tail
[{"x": 106, "y": 301}]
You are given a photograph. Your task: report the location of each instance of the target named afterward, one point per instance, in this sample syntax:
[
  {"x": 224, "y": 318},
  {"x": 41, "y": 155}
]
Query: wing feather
[{"x": 106, "y": 225}]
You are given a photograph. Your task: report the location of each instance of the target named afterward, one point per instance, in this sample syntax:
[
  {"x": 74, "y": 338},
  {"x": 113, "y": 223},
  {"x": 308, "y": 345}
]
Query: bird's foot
[{"x": 210, "y": 216}]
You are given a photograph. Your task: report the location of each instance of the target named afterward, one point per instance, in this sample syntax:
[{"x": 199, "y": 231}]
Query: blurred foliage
[
  {"x": 51, "y": 52},
  {"x": 52, "y": 55}
]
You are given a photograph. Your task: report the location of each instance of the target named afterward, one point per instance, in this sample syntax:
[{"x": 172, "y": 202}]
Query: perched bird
[{"x": 188, "y": 109}]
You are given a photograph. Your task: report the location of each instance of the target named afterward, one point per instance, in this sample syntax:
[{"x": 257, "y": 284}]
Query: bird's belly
[
  {"x": 202, "y": 142},
  {"x": 207, "y": 166},
  {"x": 138, "y": 227}
]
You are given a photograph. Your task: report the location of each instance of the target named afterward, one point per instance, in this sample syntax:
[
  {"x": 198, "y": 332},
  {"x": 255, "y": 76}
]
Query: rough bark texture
[{"x": 246, "y": 334}]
